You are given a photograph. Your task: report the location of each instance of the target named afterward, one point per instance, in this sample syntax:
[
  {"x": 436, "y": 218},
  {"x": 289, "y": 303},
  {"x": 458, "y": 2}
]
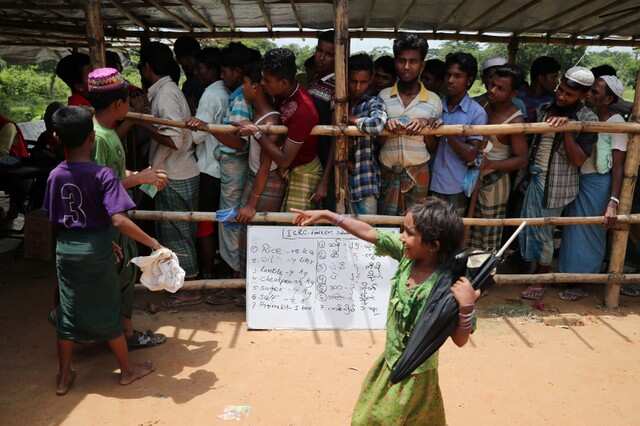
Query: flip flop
[
  {"x": 533, "y": 293},
  {"x": 63, "y": 390},
  {"x": 572, "y": 294},
  {"x": 178, "y": 303},
  {"x": 630, "y": 290},
  {"x": 145, "y": 340},
  {"x": 217, "y": 300}
]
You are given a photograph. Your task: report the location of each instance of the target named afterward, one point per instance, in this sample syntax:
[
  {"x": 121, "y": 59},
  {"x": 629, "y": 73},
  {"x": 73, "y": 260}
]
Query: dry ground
[{"x": 517, "y": 370}]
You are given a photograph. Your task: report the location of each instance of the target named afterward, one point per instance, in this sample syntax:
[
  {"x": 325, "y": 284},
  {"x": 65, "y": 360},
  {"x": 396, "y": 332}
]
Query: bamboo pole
[
  {"x": 447, "y": 130},
  {"x": 374, "y": 219},
  {"x": 341, "y": 113},
  {"x": 513, "y": 51},
  {"x": 500, "y": 280},
  {"x": 621, "y": 237},
  {"x": 95, "y": 34},
  {"x": 591, "y": 14}
]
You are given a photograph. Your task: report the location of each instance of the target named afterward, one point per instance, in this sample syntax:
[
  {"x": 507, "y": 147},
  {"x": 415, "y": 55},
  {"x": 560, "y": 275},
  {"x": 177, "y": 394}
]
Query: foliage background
[{"x": 25, "y": 91}]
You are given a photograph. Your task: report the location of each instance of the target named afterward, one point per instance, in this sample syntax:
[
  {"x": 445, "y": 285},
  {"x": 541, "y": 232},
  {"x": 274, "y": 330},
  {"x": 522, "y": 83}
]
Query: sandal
[
  {"x": 145, "y": 340},
  {"x": 217, "y": 300},
  {"x": 632, "y": 290},
  {"x": 533, "y": 293},
  {"x": 178, "y": 303},
  {"x": 572, "y": 294},
  {"x": 62, "y": 389}
]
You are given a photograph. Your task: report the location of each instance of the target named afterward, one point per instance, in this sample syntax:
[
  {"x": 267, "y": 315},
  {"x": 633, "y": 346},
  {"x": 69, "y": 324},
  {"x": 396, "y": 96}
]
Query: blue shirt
[
  {"x": 237, "y": 111},
  {"x": 448, "y": 169}
]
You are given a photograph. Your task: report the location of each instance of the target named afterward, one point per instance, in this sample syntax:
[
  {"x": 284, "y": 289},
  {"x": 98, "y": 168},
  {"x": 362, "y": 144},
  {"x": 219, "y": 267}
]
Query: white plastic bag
[{"x": 160, "y": 271}]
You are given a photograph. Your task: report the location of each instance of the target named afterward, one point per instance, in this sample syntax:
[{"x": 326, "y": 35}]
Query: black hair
[
  {"x": 280, "y": 62},
  {"x": 186, "y": 46},
  {"x": 310, "y": 62},
  {"x": 410, "y": 41},
  {"x": 211, "y": 57},
  {"x": 437, "y": 220},
  {"x": 436, "y": 68},
  {"x": 510, "y": 71},
  {"x": 543, "y": 65},
  {"x": 328, "y": 36},
  {"x": 465, "y": 61},
  {"x": 175, "y": 72},
  {"x": 72, "y": 124},
  {"x": 69, "y": 69},
  {"x": 48, "y": 114},
  {"x": 113, "y": 60},
  {"x": 101, "y": 100},
  {"x": 604, "y": 69},
  {"x": 253, "y": 71},
  {"x": 361, "y": 62},
  {"x": 387, "y": 64},
  {"x": 237, "y": 55},
  {"x": 159, "y": 57}
]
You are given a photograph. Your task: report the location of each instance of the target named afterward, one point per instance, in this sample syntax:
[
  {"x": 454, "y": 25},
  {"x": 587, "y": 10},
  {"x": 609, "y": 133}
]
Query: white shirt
[
  {"x": 616, "y": 140},
  {"x": 211, "y": 109},
  {"x": 168, "y": 102},
  {"x": 405, "y": 150}
]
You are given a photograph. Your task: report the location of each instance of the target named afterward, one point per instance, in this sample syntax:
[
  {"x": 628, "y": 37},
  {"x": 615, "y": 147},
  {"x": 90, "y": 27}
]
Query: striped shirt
[
  {"x": 404, "y": 150},
  {"x": 238, "y": 110}
]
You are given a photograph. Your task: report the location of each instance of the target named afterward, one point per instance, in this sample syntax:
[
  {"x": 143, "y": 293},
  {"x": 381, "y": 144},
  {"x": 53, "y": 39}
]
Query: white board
[{"x": 314, "y": 278}]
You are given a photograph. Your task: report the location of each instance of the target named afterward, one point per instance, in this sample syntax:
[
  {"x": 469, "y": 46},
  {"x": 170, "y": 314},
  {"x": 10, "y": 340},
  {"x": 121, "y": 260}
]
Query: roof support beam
[
  {"x": 265, "y": 14},
  {"x": 199, "y": 16},
  {"x": 556, "y": 16},
  {"x": 620, "y": 27},
  {"x": 454, "y": 11},
  {"x": 601, "y": 24},
  {"x": 488, "y": 11},
  {"x": 505, "y": 18},
  {"x": 177, "y": 18},
  {"x": 608, "y": 6},
  {"x": 95, "y": 34},
  {"x": 139, "y": 22},
  {"x": 368, "y": 15},
  {"x": 296, "y": 14},
  {"x": 230, "y": 17},
  {"x": 405, "y": 15}
]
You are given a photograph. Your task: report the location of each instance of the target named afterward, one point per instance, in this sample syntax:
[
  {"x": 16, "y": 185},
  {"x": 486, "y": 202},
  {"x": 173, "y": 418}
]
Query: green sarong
[
  {"x": 302, "y": 183},
  {"x": 88, "y": 286}
]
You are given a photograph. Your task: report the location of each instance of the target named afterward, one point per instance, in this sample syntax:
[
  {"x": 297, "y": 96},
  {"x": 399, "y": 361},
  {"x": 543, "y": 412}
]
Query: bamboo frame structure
[
  {"x": 172, "y": 15},
  {"x": 199, "y": 16},
  {"x": 599, "y": 10},
  {"x": 487, "y": 11},
  {"x": 229, "y": 12},
  {"x": 341, "y": 105},
  {"x": 265, "y": 15},
  {"x": 505, "y": 18},
  {"x": 615, "y": 278},
  {"x": 554, "y": 17},
  {"x": 126, "y": 12}
]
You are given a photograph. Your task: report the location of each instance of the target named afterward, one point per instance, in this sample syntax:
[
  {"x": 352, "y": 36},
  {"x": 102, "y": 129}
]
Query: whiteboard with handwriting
[{"x": 314, "y": 278}]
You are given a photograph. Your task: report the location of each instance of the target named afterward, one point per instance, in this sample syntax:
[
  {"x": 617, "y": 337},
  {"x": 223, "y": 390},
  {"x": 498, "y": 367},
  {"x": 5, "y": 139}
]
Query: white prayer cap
[
  {"x": 614, "y": 84},
  {"x": 580, "y": 75},
  {"x": 494, "y": 62}
]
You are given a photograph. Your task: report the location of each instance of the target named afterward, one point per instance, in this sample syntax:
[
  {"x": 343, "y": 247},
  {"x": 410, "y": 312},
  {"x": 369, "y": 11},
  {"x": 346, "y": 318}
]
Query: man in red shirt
[
  {"x": 74, "y": 70},
  {"x": 298, "y": 157}
]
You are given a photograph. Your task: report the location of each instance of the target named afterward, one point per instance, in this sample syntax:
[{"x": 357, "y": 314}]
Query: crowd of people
[
  {"x": 550, "y": 174},
  {"x": 108, "y": 165}
]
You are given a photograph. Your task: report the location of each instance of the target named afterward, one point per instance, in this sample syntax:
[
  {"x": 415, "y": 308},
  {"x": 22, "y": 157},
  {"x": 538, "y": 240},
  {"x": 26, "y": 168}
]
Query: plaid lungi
[
  {"x": 302, "y": 183},
  {"x": 180, "y": 237},
  {"x": 233, "y": 177},
  {"x": 269, "y": 201},
  {"x": 402, "y": 188},
  {"x": 492, "y": 204}
]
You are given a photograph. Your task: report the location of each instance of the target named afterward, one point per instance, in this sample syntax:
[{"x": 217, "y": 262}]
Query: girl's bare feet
[
  {"x": 137, "y": 371},
  {"x": 64, "y": 382}
]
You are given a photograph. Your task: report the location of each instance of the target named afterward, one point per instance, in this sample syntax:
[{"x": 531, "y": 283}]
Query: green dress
[
  {"x": 417, "y": 399},
  {"x": 108, "y": 151}
]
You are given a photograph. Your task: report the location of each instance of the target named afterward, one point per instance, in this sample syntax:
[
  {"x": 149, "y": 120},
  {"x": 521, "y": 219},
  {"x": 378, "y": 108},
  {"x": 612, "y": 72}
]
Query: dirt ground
[{"x": 574, "y": 364}]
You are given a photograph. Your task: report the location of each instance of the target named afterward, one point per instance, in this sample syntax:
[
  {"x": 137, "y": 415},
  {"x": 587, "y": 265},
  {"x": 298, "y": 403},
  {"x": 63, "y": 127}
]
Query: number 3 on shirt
[{"x": 72, "y": 197}]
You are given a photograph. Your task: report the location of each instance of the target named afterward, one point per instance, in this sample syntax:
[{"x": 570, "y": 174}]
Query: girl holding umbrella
[{"x": 432, "y": 234}]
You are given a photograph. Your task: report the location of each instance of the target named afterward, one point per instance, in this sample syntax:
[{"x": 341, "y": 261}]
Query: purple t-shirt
[{"x": 84, "y": 196}]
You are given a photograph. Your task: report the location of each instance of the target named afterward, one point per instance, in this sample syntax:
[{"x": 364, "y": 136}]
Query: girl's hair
[{"x": 436, "y": 220}]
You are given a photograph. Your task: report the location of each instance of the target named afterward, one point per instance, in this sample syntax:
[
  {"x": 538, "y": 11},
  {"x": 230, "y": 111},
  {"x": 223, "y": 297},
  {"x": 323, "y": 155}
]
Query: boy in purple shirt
[{"x": 86, "y": 202}]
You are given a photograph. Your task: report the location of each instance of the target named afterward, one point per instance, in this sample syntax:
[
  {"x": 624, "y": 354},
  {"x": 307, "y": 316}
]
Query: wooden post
[
  {"x": 621, "y": 236},
  {"x": 95, "y": 34},
  {"x": 341, "y": 107},
  {"x": 513, "y": 50}
]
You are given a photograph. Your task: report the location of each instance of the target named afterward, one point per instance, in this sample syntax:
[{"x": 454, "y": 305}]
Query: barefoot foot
[
  {"x": 137, "y": 371},
  {"x": 64, "y": 382}
]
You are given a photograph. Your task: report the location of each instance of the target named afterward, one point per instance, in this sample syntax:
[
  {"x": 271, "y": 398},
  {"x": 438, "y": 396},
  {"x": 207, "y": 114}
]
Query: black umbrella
[{"x": 440, "y": 317}]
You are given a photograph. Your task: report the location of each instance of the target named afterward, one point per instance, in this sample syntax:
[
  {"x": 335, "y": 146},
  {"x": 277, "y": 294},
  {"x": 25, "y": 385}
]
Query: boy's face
[
  {"x": 120, "y": 108},
  {"x": 188, "y": 64},
  {"x": 274, "y": 85},
  {"x": 83, "y": 86},
  {"x": 487, "y": 75},
  {"x": 409, "y": 65},
  {"x": 359, "y": 83},
  {"x": 597, "y": 95},
  {"x": 500, "y": 89},
  {"x": 549, "y": 82},
  {"x": 431, "y": 82},
  {"x": 567, "y": 96},
  {"x": 324, "y": 58},
  {"x": 382, "y": 79},
  {"x": 204, "y": 74},
  {"x": 249, "y": 89},
  {"x": 457, "y": 81},
  {"x": 231, "y": 76}
]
